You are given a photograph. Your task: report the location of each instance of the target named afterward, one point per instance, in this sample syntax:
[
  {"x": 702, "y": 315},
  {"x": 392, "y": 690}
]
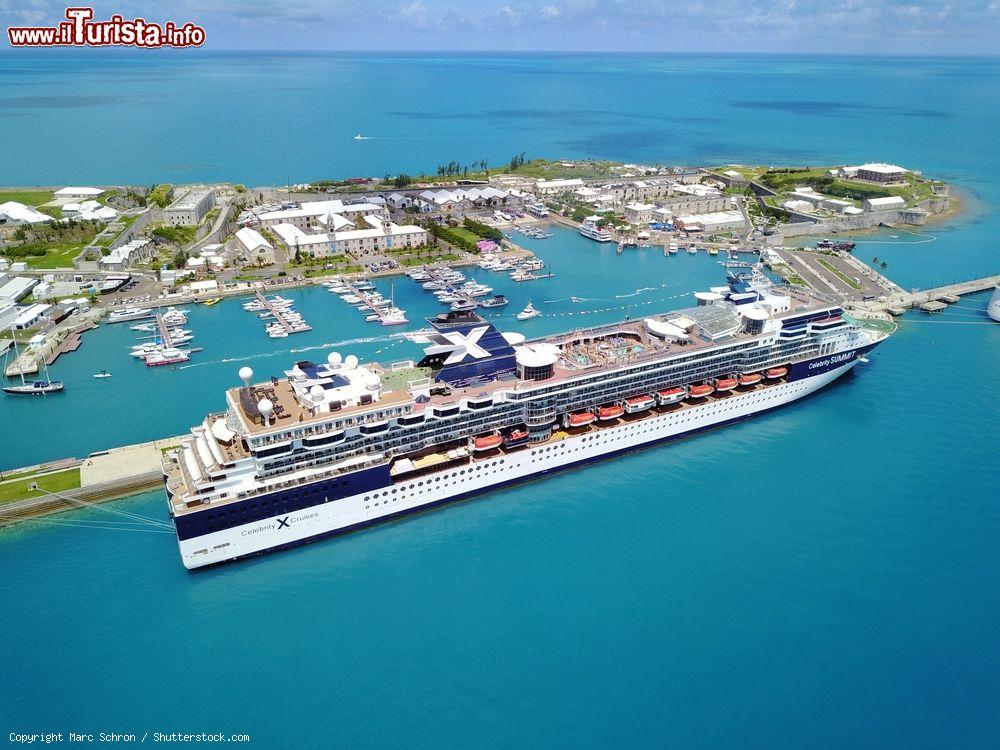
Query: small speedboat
[
  {"x": 528, "y": 313},
  {"x": 496, "y": 301},
  {"x": 102, "y": 374}
]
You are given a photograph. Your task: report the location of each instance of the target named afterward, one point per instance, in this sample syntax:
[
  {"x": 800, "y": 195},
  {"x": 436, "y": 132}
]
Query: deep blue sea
[{"x": 823, "y": 576}]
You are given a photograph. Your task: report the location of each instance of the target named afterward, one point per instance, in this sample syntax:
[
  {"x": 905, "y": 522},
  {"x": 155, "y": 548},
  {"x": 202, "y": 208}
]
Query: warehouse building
[{"x": 190, "y": 208}]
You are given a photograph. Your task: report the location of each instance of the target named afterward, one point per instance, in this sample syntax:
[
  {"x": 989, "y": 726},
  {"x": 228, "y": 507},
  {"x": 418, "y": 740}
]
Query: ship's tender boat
[
  {"x": 636, "y": 404},
  {"x": 611, "y": 411},
  {"x": 725, "y": 384},
  {"x": 700, "y": 391},
  {"x": 515, "y": 438},
  {"x": 776, "y": 373},
  {"x": 581, "y": 418},
  {"x": 671, "y": 395},
  {"x": 488, "y": 442},
  {"x": 750, "y": 378}
]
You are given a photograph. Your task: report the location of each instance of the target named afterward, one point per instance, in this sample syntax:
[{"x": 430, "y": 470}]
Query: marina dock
[{"x": 280, "y": 317}]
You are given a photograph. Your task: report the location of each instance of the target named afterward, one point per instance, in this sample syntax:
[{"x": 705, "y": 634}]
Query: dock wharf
[
  {"x": 373, "y": 304},
  {"x": 279, "y": 316},
  {"x": 70, "y": 344},
  {"x": 164, "y": 330},
  {"x": 930, "y": 300}
]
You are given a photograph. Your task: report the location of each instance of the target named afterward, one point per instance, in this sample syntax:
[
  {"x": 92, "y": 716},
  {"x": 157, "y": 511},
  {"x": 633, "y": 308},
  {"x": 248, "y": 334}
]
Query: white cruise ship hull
[{"x": 428, "y": 490}]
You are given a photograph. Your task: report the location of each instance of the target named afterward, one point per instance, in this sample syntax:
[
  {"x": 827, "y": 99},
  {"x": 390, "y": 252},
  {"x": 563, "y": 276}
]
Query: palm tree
[
  {"x": 874, "y": 260},
  {"x": 884, "y": 265}
]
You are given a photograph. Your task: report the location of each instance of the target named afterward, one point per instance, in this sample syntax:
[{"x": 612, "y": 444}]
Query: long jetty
[
  {"x": 279, "y": 316},
  {"x": 931, "y": 300}
]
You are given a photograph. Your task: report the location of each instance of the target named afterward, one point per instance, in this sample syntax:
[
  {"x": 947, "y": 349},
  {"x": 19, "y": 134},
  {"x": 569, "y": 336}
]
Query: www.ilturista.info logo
[{"x": 80, "y": 30}]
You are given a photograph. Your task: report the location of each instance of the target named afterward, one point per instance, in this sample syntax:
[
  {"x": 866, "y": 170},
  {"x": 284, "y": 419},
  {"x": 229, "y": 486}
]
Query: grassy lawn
[
  {"x": 465, "y": 234},
  {"x": 27, "y": 197},
  {"x": 846, "y": 279},
  {"x": 59, "y": 481},
  {"x": 59, "y": 255}
]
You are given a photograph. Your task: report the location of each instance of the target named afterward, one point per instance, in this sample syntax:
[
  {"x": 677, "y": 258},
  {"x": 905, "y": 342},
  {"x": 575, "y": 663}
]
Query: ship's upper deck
[{"x": 570, "y": 355}]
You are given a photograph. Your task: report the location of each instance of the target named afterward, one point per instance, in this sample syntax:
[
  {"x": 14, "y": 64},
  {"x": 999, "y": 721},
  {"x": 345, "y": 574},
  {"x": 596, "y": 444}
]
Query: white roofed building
[
  {"x": 883, "y": 204},
  {"x": 884, "y": 174},
  {"x": 13, "y": 212},
  {"x": 639, "y": 213},
  {"x": 78, "y": 192},
  {"x": 554, "y": 187},
  {"x": 717, "y": 221},
  {"x": 254, "y": 248}
]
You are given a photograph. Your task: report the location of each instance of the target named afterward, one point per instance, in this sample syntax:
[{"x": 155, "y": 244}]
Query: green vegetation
[
  {"x": 178, "y": 235},
  {"x": 483, "y": 230},
  {"x": 459, "y": 237},
  {"x": 160, "y": 195},
  {"x": 27, "y": 197},
  {"x": 846, "y": 279},
  {"x": 417, "y": 256},
  {"x": 59, "y": 481},
  {"x": 51, "y": 245}
]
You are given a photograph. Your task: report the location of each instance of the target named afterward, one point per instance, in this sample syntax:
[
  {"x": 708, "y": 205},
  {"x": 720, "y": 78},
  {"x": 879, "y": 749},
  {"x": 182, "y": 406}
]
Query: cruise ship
[
  {"x": 590, "y": 230},
  {"x": 340, "y": 445}
]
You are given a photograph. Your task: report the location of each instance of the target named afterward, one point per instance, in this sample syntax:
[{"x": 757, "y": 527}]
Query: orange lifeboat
[
  {"x": 750, "y": 378},
  {"x": 488, "y": 442},
  {"x": 581, "y": 418},
  {"x": 725, "y": 384},
  {"x": 671, "y": 395},
  {"x": 700, "y": 391},
  {"x": 611, "y": 411},
  {"x": 776, "y": 372},
  {"x": 639, "y": 403}
]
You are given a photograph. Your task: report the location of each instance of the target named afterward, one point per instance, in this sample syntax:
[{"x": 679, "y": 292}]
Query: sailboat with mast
[{"x": 34, "y": 387}]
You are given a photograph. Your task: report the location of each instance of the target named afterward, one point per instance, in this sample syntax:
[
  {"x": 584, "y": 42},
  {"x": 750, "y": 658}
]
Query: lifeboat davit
[
  {"x": 776, "y": 372},
  {"x": 700, "y": 391},
  {"x": 581, "y": 418},
  {"x": 515, "y": 438},
  {"x": 725, "y": 384},
  {"x": 751, "y": 378},
  {"x": 612, "y": 411},
  {"x": 488, "y": 442},
  {"x": 671, "y": 395},
  {"x": 639, "y": 403}
]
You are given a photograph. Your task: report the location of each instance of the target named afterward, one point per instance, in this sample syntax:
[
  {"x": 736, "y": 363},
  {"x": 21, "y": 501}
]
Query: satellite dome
[
  {"x": 245, "y": 374},
  {"x": 350, "y": 362},
  {"x": 334, "y": 358},
  {"x": 316, "y": 392},
  {"x": 373, "y": 382},
  {"x": 265, "y": 407}
]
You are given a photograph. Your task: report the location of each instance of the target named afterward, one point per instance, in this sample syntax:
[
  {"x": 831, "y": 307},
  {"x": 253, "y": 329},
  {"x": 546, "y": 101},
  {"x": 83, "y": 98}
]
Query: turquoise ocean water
[{"x": 822, "y": 576}]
